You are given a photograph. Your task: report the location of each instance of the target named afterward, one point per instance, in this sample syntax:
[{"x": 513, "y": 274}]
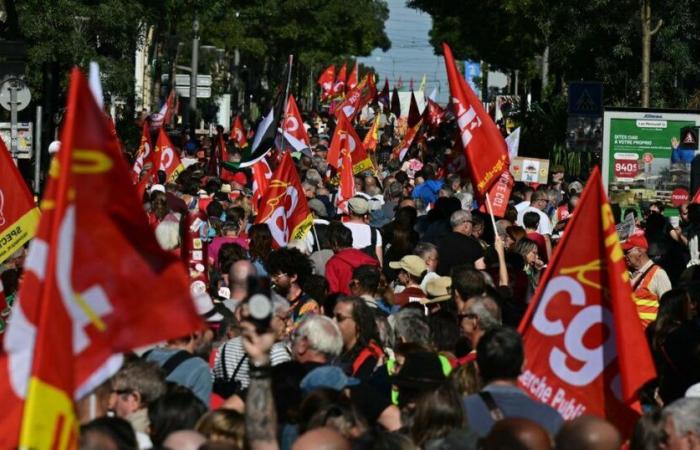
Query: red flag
[
  {"x": 95, "y": 284},
  {"x": 408, "y": 138},
  {"x": 339, "y": 85},
  {"x": 261, "y": 178},
  {"x": 166, "y": 158},
  {"x": 293, "y": 127},
  {"x": 413, "y": 114},
  {"x": 326, "y": 81},
  {"x": 346, "y": 189},
  {"x": 18, "y": 214},
  {"x": 696, "y": 197},
  {"x": 435, "y": 114},
  {"x": 486, "y": 150},
  {"x": 395, "y": 103},
  {"x": 585, "y": 350},
  {"x": 143, "y": 153},
  {"x": 499, "y": 195},
  {"x": 283, "y": 207},
  {"x": 358, "y": 98},
  {"x": 372, "y": 137},
  {"x": 345, "y": 136},
  {"x": 352, "y": 79},
  {"x": 238, "y": 133},
  {"x": 165, "y": 115}
]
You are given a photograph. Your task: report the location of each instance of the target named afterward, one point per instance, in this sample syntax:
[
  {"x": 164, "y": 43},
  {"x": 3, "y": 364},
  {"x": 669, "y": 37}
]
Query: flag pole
[
  {"x": 289, "y": 81},
  {"x": 493, "y": 220}
]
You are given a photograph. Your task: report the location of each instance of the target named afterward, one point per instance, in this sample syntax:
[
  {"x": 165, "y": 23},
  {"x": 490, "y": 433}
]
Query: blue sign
[
  {"x": 472, "y": 69},
  {"x": 586, "y": 98}
]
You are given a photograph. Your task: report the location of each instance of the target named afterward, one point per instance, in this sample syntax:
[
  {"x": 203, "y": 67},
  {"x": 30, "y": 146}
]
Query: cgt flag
[
  {"x": 357, "y": 98},
  {"x": 143, "y": 154},
  {"x": 165, "y": 157},
  {"x": 283, "y": 207},
  {"x": 326, "y": 81},
  {"x": 293, "y": 127},
  {"x": 238, "y": 134},
  {"x": 345, "y": 137},
  {"x": 261, "y": 178},
  {"x": 372, "y": 137},
  {"x": 18, "y": 214},
  {"x": 485, "y": 148},
  {"x": 338, "y": 89},
  {"x": 352, "y": 79},
  {"x": 96, "y": 284},
  {"x": 585, "y": 350}
]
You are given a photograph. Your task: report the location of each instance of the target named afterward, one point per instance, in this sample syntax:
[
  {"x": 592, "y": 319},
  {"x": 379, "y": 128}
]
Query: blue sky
[{"x": 411, "y": 54}]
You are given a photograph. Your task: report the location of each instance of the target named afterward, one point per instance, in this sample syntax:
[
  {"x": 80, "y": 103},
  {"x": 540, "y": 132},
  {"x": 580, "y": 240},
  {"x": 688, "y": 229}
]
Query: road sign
[
  {"x": 202, "y": 92},
  {"x": 586, "y": 98},
  {"x": 184, "y": 80},
  {"x": 25, "y": 138},
  {"x": 21, "y": 90}
]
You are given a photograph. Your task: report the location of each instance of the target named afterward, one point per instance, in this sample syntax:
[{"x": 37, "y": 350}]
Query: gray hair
[
  {"x": 411, "y": 326},
  {"x": 459, "y": 217},
  {"x": 140, "y": 376},
  {"x": 322, "y": 333},
  {"x": 487, "y": 311},
  {"x": 423, "y": 249},
  {"x": 686, "y": 415}
]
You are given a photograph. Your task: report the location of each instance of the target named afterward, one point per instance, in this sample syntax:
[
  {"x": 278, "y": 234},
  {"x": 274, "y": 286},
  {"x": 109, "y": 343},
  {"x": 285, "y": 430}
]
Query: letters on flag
[
  {"x": 586, "y": 352},
  {"x": 293, "y": 127},
  {"x": 96, "y": 284},
  {"x": 283, "y": 207},
  {"x": 357, "y": 98},
  {"x": 166, "y": 158},
  {"x": 486, "y": 150},
  {"x": 345, "y": 136},
  {"x": 18, "y": 214}
]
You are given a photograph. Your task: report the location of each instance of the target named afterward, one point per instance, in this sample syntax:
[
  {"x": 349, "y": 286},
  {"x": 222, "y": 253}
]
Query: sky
[{"x": 410, "y": 55}]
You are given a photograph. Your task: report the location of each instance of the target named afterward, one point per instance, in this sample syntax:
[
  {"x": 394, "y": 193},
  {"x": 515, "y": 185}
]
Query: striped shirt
[{"x": 235, "y": 352}]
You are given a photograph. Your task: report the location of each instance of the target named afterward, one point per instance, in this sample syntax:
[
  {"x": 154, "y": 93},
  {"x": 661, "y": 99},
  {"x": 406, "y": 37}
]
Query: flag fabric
[
  {"x": 422, "y": 83},
  {"x": 19, "y": 216},
  {"x": 485, "y": 148},
  {"x": 356, "y": 99},
  {"x": 513, "y": 143},
  {"x": 408, "y": 138},
  {"x": 293, "y": 127},
  {"x": 352, "y": 79},
  {"x": 165, "y": 157},
  {"x": 326, "y": 81},
  {"x": 89, "y": 270},
  {"x": 263, "y": 141},
  {"x": 283, "y": 207},
  {"x": 434, "y": 113},
  {"x": 346, "y": 188},
  {"x": 383, "y": 97},
  {"x": 499, "y": 195},
  {"x": 395, "y": 103},
  {"x": 586, "y": 350},
  {"x": 238, "y": 134},
  {"x": 143, "y": 154},
  {"x": 261, "y": 178},
  {"x": 696, "y": 197},
  {"x": 338, "y": 89},
  {"x": 414, "y": 114},
  {"x": 165, "y": 115},
  {"x": 433, "y": 94},
  {"x": 372, "y": 137},
  {"x": 345, "y": 137}
]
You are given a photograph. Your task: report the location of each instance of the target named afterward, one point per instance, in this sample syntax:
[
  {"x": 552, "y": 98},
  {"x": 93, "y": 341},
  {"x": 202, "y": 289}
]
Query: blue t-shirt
[
  {"x": 193, "y": 373},
  {"x": 513, "y": 402}
]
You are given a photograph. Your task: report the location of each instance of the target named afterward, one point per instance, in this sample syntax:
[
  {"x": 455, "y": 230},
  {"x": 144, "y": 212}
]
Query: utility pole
[
  {"x": 647, "y": 33},
  {"x": 193, "y": 75}
]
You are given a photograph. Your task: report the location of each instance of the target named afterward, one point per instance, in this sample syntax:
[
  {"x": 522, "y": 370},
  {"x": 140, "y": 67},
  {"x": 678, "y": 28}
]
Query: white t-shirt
[
  {"x": 361, "y": 236},
  {"x": 545, "y": 226}
]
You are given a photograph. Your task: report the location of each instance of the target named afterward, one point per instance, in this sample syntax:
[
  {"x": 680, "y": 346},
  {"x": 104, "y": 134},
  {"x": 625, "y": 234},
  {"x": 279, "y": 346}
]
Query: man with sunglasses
[{"x": 649, "y": 281}]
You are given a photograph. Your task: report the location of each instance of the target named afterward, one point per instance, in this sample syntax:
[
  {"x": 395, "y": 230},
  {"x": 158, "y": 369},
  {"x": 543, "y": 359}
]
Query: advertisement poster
[
  {"x": 529, "y": 170},
  {"x": 643, "y": 158}
]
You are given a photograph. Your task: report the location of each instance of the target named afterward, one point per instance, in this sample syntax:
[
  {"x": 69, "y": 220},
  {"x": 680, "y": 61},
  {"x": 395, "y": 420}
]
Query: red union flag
[
  {"x": 346, "y": 188},
  {"x": 238, "y": 133},
  {"x": 499, "y": 195},
  {"x": 345, "y": 137},
  {"x": 352, "y": 79},
  {"x": 372, "y": 137},
  {"x": 261, "y": 178},
  {"x": 338, "y": 88},
  {"x": 485, "y": 148},
  {"x": 18, "y": 215},
  {"x": 166, "y": 158},
  {"x": 293, "y": 127},
  {"x": 357, "y": 98},
  {"x": 96, "y": 284},
  {"x": 143, "y": 153},
  {"x": 326, "y": 81},
  {"x": 283, "y": 207},
  {"x": 585, "y": 350}
]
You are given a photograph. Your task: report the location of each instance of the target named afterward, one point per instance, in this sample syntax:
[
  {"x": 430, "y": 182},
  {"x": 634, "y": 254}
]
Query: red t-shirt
[{"x": 407, "y": 295}]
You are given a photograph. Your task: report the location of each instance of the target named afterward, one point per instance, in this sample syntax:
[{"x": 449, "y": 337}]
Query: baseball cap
[
  {"x": 438, "y": 289},
  {"x": 636, "y": 240},
  {"x": 318, "y": 207},
  {"x": 358, "y": 205},
  {"x": 327, "y": 377},
  {"x": 410, "y": 263}
]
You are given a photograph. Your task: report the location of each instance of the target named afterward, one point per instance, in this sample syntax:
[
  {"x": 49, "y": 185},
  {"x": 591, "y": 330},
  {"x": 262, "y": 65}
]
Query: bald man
[
  {"x": 321, "y": 439},
  {"x": 588, "y": 433},
  {"x": 516, "y": 433},
  {"x": 184, "y": 440}
]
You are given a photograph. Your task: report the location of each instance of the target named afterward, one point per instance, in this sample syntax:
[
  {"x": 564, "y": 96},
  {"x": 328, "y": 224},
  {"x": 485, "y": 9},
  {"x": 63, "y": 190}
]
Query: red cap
[{"x": 636, "y": 240}]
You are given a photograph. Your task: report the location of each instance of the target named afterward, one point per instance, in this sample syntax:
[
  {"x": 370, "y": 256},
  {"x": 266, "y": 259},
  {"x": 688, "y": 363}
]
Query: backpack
[{"x": 226, "y": 387}]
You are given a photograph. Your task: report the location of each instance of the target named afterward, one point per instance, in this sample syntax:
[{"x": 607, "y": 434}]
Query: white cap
[
  {"x": 54, "y": 147},
  {"x": 157, "y": 187}
]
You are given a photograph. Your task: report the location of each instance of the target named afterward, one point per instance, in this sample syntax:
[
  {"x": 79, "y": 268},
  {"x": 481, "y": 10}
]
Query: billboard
[{"x": 643, "y": 158}]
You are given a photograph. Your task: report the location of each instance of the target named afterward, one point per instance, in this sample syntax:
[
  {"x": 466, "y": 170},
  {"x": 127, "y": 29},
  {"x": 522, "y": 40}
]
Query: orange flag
[
  {"x": 585, "y": 350},
  {"x": 238, "y": 133},
  {"x": 372, "y": 137},
  {"x": 166, "y": 158},
  {"x": 96, "y": 284},
  {"x": 18, "y": 214},
  {"x": 283, "y": 207}
]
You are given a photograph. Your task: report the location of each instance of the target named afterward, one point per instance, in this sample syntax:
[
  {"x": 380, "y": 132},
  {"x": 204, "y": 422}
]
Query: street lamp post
[{"x": 193, "y": 75}]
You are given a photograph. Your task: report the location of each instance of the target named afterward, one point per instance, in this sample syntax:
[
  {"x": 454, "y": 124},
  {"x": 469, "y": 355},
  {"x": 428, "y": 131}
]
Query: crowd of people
[{"x": 390, "y": 327}]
